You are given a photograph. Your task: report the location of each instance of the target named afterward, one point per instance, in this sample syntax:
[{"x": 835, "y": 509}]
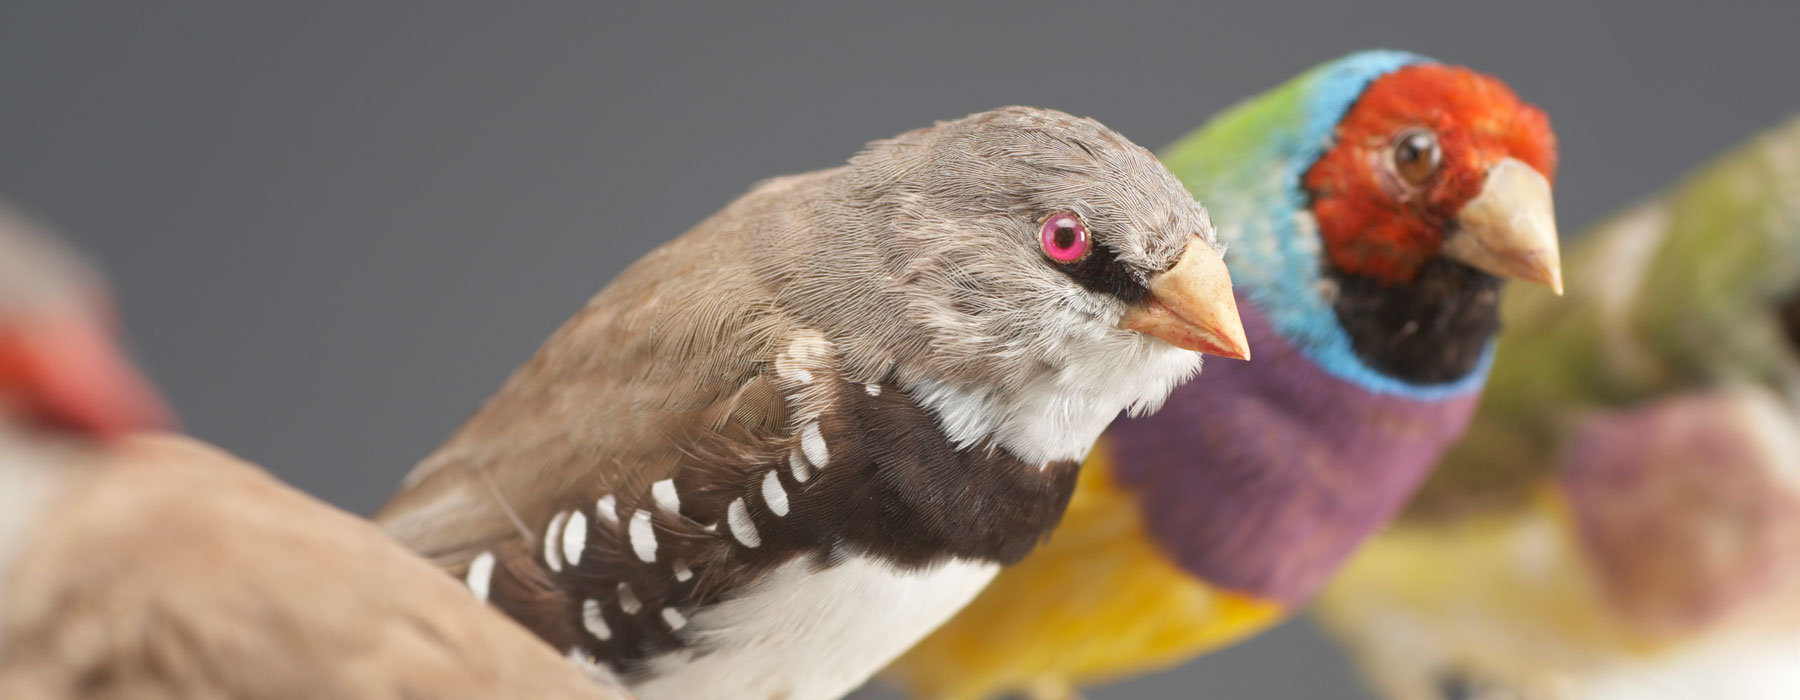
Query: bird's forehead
[{"x": 1082, "y": 165}]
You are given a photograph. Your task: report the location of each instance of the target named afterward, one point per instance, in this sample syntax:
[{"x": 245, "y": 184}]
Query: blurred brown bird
[{"x": 155, "y": 566}]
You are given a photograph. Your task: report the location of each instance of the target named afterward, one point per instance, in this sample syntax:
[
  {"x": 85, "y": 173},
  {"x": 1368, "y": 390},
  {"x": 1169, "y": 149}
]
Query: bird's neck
[
  {"x": 1262, "y": 476},
  {"x": 1434, "y": 330}
]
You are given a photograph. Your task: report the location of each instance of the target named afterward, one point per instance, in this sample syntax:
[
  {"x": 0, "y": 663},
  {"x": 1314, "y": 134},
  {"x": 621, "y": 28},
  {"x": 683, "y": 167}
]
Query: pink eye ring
[{"x": 1064, "y": 237}]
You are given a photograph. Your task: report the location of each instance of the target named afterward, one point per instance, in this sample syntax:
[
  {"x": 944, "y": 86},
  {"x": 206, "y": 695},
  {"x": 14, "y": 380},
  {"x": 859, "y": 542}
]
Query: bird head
[
  {"x": 1024, "y": 259},
  {"x": 1010, "y": 241},
  {"x": 1016, "y": 216},
  {"x": 60, "y": 365},
  {"x": 1438, "y": 161}
]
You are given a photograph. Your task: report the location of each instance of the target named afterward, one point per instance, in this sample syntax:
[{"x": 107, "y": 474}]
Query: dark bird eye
[
  {"x": 1416, "y": 156},
  {"x": 1064, "y": 237},
  {"x": 1455, "y": 686},
  {"x": 1789, "y": 315}
]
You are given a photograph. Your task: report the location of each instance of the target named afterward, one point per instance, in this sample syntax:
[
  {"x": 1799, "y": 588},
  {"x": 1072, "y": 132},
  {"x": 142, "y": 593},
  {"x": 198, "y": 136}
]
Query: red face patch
[
  {"x": 62, "y": 368},
  {"x": 1410, "y": 153}
]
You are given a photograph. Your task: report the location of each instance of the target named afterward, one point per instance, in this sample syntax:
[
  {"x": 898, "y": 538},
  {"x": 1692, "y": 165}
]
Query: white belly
[
  {"x": 806, "y": 634},
  {"x": 1761, "y": 668}
]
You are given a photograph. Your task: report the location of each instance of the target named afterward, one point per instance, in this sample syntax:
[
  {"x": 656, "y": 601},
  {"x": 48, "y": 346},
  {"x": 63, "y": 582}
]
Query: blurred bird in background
[
  {"x": 138, "y": 565},
  {"x": 1371, "y": 207},
  {"x": 1623, "y": 519}
]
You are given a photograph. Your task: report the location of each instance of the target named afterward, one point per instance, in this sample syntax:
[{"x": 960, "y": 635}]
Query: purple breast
[{"x": 1262, "y": 476}]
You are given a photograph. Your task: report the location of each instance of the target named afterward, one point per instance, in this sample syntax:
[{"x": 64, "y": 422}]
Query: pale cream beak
[
  {"x": 1509, "y": 229},
  {"x": 1191, "y": 306}
]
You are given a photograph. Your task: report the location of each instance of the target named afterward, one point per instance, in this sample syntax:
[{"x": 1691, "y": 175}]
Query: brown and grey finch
[
  {"x": 778, "y": 450},
  {"x": 153, "y": 566}
]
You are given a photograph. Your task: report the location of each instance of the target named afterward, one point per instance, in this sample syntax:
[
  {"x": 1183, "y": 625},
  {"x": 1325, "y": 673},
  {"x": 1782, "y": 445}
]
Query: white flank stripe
[
  {"x": 664, "y": 493},
  {"x": 674, "y": 618},
  {"x": 628, "y": 600},
  {"x": 575, "y": 538},
  {"x": 797, "y": 464},
  {"x": 591, "y": 619},
  {"x": 737, "y": 516},
  {"x": 607, "y": 508},
  {"x": 773, "y": 494},
  {"x": 552, "y": 538},
  {"x": 682, "y": 572},
  {"x": 643, "y": 537},
  {"x": 481, "y": 572},
  {"x": 813, "y": 444}
]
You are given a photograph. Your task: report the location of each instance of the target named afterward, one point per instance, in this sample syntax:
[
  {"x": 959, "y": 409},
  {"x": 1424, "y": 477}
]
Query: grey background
[{"x": 336, "y": 227}]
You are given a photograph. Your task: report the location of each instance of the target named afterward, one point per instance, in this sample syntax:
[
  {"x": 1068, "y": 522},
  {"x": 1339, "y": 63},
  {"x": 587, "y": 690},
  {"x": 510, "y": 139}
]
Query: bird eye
[
  {"x": 1416, "y": 155},
  {"x": 1453, "y": 685},
  {"x": 1789, "y": 315},
  {"x": 1064, "y": 237}
]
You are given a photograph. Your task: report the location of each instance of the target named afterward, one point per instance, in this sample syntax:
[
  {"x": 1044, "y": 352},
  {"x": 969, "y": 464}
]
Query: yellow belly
[{"x": 1097, "y": 601}]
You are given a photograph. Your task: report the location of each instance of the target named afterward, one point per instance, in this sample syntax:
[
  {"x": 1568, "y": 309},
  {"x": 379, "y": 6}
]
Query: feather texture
[
  {"x": 1254, "y": 482},
  {"x": 868, "y": 385},
  {"x": 1623, "y": 519}
]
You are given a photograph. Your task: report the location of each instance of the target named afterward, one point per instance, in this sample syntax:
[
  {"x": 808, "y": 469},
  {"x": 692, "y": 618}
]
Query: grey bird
[
  {"x": 150, "y": 565},
  {"x": 778, "y": 450}
]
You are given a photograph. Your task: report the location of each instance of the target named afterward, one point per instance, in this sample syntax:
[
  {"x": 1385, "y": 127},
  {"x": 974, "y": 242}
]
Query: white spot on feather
[
  {"x": 737, "y": 517},
  {"x": 682, "y": 572},
  {"x": 804, "y": 376},
  {"x": 552, "y": 538},
  {"x": 812, "y": 442},
  {"x": 873, "y": 389},
  {"x": 798, "y": 467},
  {"x": 665, "y": 495},
  {"x": 608, "y": 509},
  {"x": 481, "y": 573},
  {"x": 593, "y": 621},
  {"x": 628, "y": 600},
  {"x": 773, "y": 494},
  {"x": 643, "y": 536},
  {"x": 574, "y": 538},
  {"x": 673, "y": 618}
]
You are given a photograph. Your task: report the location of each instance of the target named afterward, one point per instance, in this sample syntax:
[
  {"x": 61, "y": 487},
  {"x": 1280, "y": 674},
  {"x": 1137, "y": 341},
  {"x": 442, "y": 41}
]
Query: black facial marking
[
  {"x": 1429, "y": 331},
  {"x": 1101, "y": 272},
  {"x": 1789, "y": 314},
  {"x": 1455, "y": 686}
]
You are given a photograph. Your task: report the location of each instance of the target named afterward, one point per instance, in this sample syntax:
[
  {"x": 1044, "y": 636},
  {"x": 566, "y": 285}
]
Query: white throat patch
[{"x": 1058, "y": 415}]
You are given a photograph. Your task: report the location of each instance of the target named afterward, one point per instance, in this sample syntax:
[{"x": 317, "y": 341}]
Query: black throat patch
[
  {"x": 1788, "y": 312},
  {"x": 1102, "y": 273},
  {"x": 1429, "y": 331}
]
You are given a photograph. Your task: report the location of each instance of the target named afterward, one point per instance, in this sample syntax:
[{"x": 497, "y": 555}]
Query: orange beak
[
  {"x": 1191, "y": 306},
  {"x": 64, "y": 369}
]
